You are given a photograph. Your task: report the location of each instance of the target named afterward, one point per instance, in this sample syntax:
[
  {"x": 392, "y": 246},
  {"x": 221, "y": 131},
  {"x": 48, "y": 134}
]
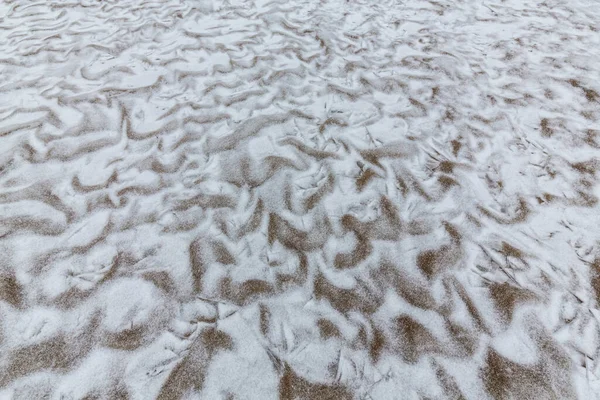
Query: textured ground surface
[{"x": 299, "y": 199}]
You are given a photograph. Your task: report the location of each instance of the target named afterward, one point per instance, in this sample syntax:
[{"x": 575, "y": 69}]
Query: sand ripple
[{"x": 299, "y": 200}]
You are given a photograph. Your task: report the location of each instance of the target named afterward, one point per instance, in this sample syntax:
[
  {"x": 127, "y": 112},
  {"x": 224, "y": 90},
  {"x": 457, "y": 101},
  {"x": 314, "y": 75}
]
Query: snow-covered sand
[{"x": 299, "y": 199}]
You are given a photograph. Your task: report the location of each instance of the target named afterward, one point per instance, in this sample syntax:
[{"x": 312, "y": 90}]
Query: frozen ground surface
[{"x": 299, "y": 199}]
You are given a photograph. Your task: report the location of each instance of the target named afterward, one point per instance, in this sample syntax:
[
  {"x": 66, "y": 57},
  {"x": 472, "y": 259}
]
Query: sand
[{"x": 299, "y": 199}]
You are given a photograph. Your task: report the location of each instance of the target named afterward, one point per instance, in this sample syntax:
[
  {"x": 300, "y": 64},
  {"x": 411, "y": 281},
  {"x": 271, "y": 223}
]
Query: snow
[{"x": 259, "y": 199}]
